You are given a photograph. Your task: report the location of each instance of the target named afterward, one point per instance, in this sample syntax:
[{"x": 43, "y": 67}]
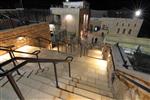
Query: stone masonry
[{"x": 25, "y": 35}]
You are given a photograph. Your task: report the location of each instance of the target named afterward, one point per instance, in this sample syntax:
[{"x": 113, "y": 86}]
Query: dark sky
[{"x": 94, "y": 4}]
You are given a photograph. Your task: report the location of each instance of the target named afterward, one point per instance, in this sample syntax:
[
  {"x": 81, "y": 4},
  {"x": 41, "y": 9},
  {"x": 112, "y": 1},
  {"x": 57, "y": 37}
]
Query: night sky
[{"x": 94, "y": 4}]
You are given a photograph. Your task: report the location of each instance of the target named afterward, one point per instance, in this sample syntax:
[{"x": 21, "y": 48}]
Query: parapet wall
[
  {"x": 20, "y": 36},
  {"x": 129, "y": 42},
  {"x": 122, "y": 88}
]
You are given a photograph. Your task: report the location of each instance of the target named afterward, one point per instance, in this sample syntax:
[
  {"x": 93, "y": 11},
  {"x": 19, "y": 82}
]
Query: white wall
[{"x": 69, "y": 18}]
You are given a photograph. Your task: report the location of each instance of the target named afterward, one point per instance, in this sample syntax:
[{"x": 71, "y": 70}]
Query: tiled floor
[{"x": 89, "y": 79}]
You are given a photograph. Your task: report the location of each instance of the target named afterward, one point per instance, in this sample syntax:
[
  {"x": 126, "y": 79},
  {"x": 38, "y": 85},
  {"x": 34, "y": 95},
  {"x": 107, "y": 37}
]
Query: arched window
[
  {"x": 118, "y": 30},
  {"x": 124, "y": 30},
  {"x": 129, "y": 32}
]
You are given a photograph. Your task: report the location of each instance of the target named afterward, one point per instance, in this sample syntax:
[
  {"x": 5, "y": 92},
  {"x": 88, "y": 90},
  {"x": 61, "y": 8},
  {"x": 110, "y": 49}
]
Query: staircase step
[
  {"x": 48, "y": 88},
  {"x": 100, "y": 86},
  {"x": 7, "y": 93},
  {"x": 83, "y": 93},
  {"x": 71, "y": 83},
  {"x": 87, "y": 87}
]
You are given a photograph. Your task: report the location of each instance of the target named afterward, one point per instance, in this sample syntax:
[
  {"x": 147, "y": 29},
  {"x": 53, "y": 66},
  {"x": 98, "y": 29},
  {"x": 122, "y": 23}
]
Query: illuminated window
[{"x": 96, "y": 28}]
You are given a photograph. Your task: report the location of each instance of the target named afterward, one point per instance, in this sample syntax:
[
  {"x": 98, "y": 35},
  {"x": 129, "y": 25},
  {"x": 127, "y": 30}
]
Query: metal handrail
[
  {"x": 118, "y": 73},
  {"x": 123, "y": 59},
  {"x": 31, "y": 60},
  {"x": 9, "y": 72},
  {"x": 8, "y": 50},
  {"x": 12, "y": 55},
  {"x": 139, "y": 79}
]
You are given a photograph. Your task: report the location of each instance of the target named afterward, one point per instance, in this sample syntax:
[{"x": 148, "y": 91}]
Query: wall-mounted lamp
[
  {"x": 69, "y": 17},
  {"x": 20, "y": 38}
]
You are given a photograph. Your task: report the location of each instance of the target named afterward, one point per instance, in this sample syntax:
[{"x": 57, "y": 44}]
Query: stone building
[
  {"x": 73, "y": 17},
  {"x": 108, "y": 25}
]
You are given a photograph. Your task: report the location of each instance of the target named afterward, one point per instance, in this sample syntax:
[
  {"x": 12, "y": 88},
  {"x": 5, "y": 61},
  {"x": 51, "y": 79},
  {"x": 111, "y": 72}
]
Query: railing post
[
  {"x": 57, "y": 47},
  {"x": 38, "y": 61},
  {"x": 55, "y": 70},
  {"x": 124, "y": 61},
  {"x": 69, "y": 69},
  {"x": 11, "y": 56},
  {"x": 15, "y": 87}
]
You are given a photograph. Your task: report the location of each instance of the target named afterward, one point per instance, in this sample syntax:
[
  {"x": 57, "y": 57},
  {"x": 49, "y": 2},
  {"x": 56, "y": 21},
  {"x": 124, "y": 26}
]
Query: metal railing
[
  {"x": 140, "y": 83},
  {"x": 11, "y": 52},
  {"x": 8, "y": 73},
  {"x": 123, "y": 59}
]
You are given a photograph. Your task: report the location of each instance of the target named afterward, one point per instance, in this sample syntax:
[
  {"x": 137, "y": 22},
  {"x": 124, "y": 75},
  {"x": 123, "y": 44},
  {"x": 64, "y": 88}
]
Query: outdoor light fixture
[
  {"x": 69, "y": 17},
  {"x": 20, "y": 38},
  {"x": 138, "y": 13},
  {"x": 67, "y": 0}
]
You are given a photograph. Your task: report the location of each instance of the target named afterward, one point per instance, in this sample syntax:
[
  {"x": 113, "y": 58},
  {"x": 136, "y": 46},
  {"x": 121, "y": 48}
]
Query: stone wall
[
  {"x": 121, "y": 87},
  {"x": 25, "y": 35}
]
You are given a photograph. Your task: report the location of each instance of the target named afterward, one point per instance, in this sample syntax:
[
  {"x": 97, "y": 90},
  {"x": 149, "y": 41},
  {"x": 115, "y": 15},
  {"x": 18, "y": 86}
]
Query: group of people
[{"x": 91, "y": 38}]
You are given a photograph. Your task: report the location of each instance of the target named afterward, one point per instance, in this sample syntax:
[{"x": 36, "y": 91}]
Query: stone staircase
[{"x": 88, "y": 82}]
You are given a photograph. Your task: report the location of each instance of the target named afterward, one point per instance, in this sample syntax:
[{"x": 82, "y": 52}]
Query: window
[
  {"x": 117, "y": 24},
  {"x": 118, "y": 30},
  {"x": 128, "y": 25},
  {"x": 122, "y": 24},
  {"x": 124, "y": 30},
  {"x": 130, "y": 31},
  {"x": 96, "y": 28},
  {"x": 57, "y": 19},
  {"x": 134, "y": 25}
]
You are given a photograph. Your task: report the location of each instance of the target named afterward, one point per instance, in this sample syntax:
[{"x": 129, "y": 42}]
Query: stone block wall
[
  {"x": 123, "y": 89},
  {"x": 25, "y": 35}
]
